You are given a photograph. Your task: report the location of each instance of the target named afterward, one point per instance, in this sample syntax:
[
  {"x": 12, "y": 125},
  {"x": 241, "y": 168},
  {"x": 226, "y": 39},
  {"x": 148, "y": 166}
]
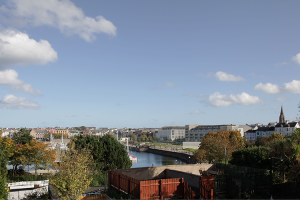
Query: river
[{"x": 145, "y": 159}]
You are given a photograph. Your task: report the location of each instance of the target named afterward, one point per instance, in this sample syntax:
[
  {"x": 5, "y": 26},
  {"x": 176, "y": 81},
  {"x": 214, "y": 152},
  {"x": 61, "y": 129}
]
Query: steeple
[{"x": 281, "y": 116}]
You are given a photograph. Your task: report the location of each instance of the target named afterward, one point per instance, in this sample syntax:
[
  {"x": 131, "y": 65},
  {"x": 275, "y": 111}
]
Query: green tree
[
  {"x": 22, "y": 137},
  {"x": 3, "y": 172},
  {"x": 257, "y": 157},
  {"x": 74, "y": 175},
  {"x": 107, "y": 152}
]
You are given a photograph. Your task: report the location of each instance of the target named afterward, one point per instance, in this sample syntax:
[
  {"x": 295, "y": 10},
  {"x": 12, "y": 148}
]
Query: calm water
[
  {"x": 144, "y": 160},
  {"x": 147, "y": 159}
]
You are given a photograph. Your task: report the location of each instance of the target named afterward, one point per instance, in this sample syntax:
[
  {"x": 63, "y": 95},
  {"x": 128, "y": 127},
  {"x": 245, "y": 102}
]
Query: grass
[{"x": 191, "y": 150}]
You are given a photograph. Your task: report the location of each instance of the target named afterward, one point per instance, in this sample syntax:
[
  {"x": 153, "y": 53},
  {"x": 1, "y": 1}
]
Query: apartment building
[
  {"x": 197, "y": 133},
  {"x": 171, "y": 133}
]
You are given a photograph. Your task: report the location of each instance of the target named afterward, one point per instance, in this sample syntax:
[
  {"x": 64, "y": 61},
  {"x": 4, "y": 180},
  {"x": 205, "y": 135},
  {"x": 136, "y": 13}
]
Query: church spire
[{"x": 281, "y": 116}]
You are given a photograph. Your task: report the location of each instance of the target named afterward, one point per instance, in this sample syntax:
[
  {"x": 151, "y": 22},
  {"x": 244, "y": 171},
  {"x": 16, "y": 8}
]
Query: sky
[{"x": 148, "y": 63}]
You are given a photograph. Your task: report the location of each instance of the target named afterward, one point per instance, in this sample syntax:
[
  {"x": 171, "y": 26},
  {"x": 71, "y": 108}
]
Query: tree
[
  {"x": 38, "y": 154},
  {"x": 199, "y": 156},
  {"x": 251, "y": 157},
  {"x": 3, "y": 171},
  {"x": 22, "y": 137},
  {"x": 214, "y": 144},
  {"x": 74, "y": 175},
  {"x": 107, "y": 152},
  {"x": 261, "y": 141}
]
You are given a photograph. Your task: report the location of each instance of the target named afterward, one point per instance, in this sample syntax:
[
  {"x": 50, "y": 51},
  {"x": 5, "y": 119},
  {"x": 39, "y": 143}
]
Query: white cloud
[
  {"x": 170, "y": 84},
  {"x": 16, "y": 48},
  {"x": 13, "y": 102},
  {"x": 268, "y": 88},
  {"x": 10, "y": 77},
  {"x": 61, "y": 14},
  {"x": 197, "y": 112},
  {"x": 222, "y": 76},
  {"x": 296, "y": 58},
  {"x": 292, "y": 87},
  {"x": 220, "y": 100},
  {"x": 280, "y": 99}
]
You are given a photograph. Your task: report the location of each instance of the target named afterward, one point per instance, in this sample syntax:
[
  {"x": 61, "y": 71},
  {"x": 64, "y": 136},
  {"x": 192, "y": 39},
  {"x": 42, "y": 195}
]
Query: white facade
[
  {"x": 171, "y": 133},
  {"x": 286, "y": 128}
]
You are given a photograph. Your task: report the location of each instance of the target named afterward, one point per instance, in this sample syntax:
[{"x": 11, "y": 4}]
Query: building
[
  {"x": 286, "y": 128},
  {"x": 38, "y": 134},
  {"x": 171, "y": 133},
  {"x": 250, "y": 135},
  {"x": 197, "y": 133},
  {"x": 62, "y": 131}
]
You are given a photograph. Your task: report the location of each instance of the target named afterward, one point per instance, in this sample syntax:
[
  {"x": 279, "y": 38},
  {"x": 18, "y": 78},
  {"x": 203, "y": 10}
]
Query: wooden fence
[
  {"x": 206, "y": 185},
  {"x": 151, "y": 189}
]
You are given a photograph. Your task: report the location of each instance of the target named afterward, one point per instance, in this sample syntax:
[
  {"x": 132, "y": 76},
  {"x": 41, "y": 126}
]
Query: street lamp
[
  {"x": 225, "y": 154},
  {"x": 189, "y": 159}
]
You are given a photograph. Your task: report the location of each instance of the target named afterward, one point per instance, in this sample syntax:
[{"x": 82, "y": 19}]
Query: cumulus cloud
[
  {"x": 12, "y": 102},
  {"x": 269, "y": 88},
  {"x": 296, "y": 58},
  {"x": 61, "y": 14},
  {"x": 222, "y": 76},
  {"x": 221, "y": 100},
  {"x": 10, "y": 77},
  {"x": 170, "y": 84},
  {"x": 16, "y": 48}
]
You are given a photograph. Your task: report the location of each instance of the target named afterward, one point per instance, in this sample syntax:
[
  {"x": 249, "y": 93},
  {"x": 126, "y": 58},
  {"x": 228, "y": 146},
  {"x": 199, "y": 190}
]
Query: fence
[
  {"x": 206, "y": 187},
  {"x": 151, "y": 189},
  {"x": 237, "y": 181}
]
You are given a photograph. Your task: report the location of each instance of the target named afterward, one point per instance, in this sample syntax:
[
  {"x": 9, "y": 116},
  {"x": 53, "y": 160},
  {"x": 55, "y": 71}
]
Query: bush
[
  {"x": 114, "y": 194},
  {"x": 100, "y": 178}
]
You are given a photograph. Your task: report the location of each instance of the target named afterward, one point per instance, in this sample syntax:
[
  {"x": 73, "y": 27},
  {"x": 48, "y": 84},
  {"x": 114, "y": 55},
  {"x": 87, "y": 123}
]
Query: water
[{"x": 145, "y": 159}]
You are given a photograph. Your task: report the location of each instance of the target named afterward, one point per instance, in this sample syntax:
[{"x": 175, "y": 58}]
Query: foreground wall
[
  {"x": 160, "y": 172},
  {"x": 192, "y": 179}
]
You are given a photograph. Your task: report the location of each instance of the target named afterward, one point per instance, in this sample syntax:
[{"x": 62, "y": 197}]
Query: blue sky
[{"x": 147, "y": 63}]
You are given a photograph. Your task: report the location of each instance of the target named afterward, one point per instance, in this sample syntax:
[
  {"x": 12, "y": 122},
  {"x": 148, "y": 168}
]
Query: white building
[
  {"x": 171, "y": 133},
  {"x": 286, "y": 128}
]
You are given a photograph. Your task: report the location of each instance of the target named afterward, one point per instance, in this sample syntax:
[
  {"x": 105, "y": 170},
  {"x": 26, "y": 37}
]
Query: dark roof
[
  {"x": 262, "y": 129},
  {"x": 291, "y": 124},
  {"x": 272, "y": 128}
]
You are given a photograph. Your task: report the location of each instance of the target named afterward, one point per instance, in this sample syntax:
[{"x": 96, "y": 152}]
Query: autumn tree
[
  {"x": 214, "y": 144},
  {"x": 199, "y": 156},
  {"x": 74, "y": 175},
  {"x": 22, "y": 137}
]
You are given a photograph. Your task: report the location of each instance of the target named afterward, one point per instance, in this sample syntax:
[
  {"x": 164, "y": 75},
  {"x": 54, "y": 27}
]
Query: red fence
[
  {"x": 206, "y": 185},
  {"x": 151, "y": 189}
]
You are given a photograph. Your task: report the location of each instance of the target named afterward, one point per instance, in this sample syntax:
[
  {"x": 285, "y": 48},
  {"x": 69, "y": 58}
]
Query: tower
[{"x": 281, "y": 116}]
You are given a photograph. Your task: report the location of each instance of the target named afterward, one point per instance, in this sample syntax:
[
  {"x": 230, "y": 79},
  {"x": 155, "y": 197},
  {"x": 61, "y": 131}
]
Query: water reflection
[{"x": 147, "y": 159}]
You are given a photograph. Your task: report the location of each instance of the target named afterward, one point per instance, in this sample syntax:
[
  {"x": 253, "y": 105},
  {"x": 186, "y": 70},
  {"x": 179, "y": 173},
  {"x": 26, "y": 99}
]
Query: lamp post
[
  {"x": 225, "y": 154},
  {"x": 189, "y": 159}
]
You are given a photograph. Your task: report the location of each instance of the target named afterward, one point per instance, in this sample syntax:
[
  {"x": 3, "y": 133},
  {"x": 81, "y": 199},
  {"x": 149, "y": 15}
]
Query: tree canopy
[
  {"x": 107, "y": 152},
  {"x": 214, "y": 144}
]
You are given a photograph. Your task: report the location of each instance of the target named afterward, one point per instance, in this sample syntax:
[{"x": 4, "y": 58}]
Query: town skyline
[{"x": 147, "y": 64}]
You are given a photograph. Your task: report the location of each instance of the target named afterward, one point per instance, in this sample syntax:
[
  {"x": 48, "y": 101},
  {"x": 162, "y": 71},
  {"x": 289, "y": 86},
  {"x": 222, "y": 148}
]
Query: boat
[{"x": 132, "y": 158}]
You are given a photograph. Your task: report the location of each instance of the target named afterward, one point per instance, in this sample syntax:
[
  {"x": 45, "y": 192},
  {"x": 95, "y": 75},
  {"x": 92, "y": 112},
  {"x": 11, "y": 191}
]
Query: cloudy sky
[{"x": 147, "y": 63}]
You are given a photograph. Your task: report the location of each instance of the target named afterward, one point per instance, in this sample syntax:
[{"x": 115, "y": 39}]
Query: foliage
[
  {"x": 26, "y": 177},
  {"x": 74, "y": 175},
  {"x": 107, "y": 152},
  {"x": 214, "y": 144},
  {"x": 3, "y": 172},
  {"x": 275, "y": 136},
  {"x": 58, "y": 135},
  {"x": 261, "y": 141},
  {"x": 199, "y": 156},
  {"x": 22, "y": 137},
  {"x": 37, "y": 154},
  {"x": 38, "y": 194},
  {"x": 99, "y": 178},
  {"x": 257, "y": 157},
  {"x": 191, "y": 150}
]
